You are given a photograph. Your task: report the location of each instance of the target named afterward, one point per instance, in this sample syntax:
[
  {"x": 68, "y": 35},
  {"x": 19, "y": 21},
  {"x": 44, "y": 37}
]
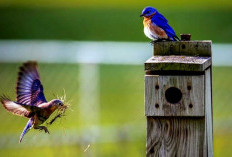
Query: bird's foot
[
  {"x": 153, "y": 42},
  {"x": 156, "y": 41},
  {"x": 43, "y": 128}
]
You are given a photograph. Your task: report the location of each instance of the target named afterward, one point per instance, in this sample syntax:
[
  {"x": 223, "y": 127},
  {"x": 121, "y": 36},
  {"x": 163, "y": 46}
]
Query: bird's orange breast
[
  {"x": 146, "y": 22},
  {"x": 159, "y": 32}
]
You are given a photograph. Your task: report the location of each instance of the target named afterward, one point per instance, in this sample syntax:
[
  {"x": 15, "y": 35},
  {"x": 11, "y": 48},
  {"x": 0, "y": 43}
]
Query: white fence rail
[{"x": 134, "y": 53}]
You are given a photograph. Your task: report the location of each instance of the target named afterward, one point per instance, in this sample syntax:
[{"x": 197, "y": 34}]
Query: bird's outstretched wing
[
  {"x": 162, "y": 22},
  {"x": 18, "y": 109},
  {"x": 14, "y": 108},
  {"x": 29, "y": 88}
]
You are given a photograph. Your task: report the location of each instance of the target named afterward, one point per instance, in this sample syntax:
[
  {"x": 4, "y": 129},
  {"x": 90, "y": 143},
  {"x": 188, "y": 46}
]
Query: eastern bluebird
[
  {"x": 31, "y": 102},
  {"x": 156, "y": 26}
]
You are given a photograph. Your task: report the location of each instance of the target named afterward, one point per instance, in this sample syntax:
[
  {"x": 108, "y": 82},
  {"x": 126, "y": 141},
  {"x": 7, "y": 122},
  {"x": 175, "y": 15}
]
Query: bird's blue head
[
  {"x": 57, "y": 102},
  {"x": 148, "y": 11}
]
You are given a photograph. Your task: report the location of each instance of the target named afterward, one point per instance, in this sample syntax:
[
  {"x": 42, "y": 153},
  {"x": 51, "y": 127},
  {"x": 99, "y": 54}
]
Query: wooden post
[{"x": 178, "y": 100}]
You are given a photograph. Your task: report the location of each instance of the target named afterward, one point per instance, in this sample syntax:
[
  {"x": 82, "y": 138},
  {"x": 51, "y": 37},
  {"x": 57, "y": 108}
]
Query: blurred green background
[
  {"x": 111, "y": 20},
  {"x": 120, "y": 87}
]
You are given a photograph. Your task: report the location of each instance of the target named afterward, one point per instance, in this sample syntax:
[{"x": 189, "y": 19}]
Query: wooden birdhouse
[{"x": 178, "y": 99}]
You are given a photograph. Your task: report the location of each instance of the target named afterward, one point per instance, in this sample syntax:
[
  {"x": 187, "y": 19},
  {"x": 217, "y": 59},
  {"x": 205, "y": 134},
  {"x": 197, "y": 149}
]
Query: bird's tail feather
[
  {"x": 26, "y": 129},
  {"x": 176, "y": 38}
]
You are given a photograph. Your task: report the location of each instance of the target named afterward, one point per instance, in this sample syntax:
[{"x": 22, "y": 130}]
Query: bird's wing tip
[
  {"x": 30, "y": 62},
  {"x": 4, "y": 98},
  {"x": 15, "y": 108}
]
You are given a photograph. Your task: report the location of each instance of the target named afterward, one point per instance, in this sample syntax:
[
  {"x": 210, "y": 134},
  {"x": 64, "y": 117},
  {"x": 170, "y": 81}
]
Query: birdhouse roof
[
  {"x": 180, "y": 56},
  {"x": 179, "y": 63}
]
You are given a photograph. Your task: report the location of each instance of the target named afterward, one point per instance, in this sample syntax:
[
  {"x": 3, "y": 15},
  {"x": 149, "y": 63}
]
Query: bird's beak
[{"x": 141, "y": 15}]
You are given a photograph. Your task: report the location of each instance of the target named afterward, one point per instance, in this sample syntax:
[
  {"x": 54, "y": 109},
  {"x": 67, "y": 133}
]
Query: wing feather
[
  {"x": 18, "y": 109},
  {"x": 15, "y": 108},
  {"x": 29, "y": 88},
  {"x": 162, "y": 22}
]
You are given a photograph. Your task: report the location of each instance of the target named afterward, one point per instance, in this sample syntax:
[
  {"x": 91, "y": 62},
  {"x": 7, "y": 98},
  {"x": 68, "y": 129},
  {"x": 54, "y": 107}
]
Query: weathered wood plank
[
  {"x": 181, "y": 63},
  {"x": 172, "y": 48},
  {"x": 188, "y": 48},
  {"x": 191, "y": 103},
  {"x": 209, "y": 112},
  {"x": 158, "y": 47},
  {"x": 179, "y": 137},
  {"x": 185, "y": 48}
]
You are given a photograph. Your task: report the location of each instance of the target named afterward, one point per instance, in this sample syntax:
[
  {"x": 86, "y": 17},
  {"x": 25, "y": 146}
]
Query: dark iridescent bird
[
  {"x": 31, "y": 102},
  {"x": 156, "y": 26}
]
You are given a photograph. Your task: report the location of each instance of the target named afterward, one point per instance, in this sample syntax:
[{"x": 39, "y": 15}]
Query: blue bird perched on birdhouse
[
  {"x": 31, "y": 102},
  {"x": 156, "y": 26}
]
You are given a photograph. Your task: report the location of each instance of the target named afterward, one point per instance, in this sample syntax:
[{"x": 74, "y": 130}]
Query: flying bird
[
  {"x": 156, "y": 26},
  {"x": 31, "y": 102}
]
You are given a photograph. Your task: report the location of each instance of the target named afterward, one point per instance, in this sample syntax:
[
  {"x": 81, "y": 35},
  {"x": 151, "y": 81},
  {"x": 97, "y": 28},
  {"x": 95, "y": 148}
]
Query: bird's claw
[
  {"x": 159, "y": 40},
  {"x": 46, "y": 130},
  {"x": 43, "y": 128},
  {"x": 152, "y": 42},
  {"x": 156, "y": 41}
]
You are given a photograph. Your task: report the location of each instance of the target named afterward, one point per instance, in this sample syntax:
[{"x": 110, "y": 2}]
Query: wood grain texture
[
  {"x": 208, "y": 112},
  {"x": 179, "y": 127},
  {"x": 191, "y": 104},
  {"x": 184, "y": 48},
  {"x": 171, "y": 48},
  {"x": 188, "y": 48},
  {"x": 175, "y": 137},
  {"x": 158, "y": 47},
  {"x": 181, "y": 63}
]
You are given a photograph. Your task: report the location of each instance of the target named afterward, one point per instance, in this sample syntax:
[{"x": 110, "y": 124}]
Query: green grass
[
  {"x": 221, "y": 92},
  {"x": 109, "y": 24},
  {"x": 101, "y": 150},
  {"x": 121, "y": 102}
]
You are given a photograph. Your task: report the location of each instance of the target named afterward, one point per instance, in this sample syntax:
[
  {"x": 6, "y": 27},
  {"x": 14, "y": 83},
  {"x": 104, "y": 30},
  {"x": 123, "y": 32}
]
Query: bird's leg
[
  {"x": 53, "y": 120},
  {"x": 42, "y": 128},
  {"x": 169, "y": 39},
  {"x": 155, "y": 41},
  {"x": 60, "y": 112}
]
